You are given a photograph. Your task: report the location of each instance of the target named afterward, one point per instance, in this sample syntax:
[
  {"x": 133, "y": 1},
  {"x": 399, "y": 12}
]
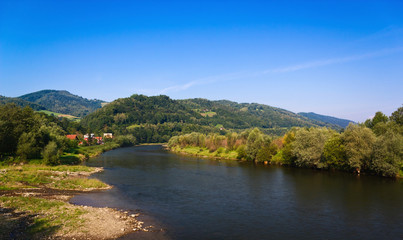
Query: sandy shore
[{"x": 95, "y": 223}]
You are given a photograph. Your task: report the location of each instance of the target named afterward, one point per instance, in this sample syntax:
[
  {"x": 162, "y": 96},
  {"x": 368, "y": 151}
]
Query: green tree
[
  {"x": 397, "y": 116},
  {"x": 51, "y": 154},
  {"x": 358, "y": 143},
  {"x": 378, "y": 118},
  {"x": 387, "y": 157},
  {"x": 254, "y": 144},
  {"x": 308, "y": 146},
  {"x": 267, "y": 152},
  {"x": 334, "y": 153},
  {"x": 286, "y": 154}
]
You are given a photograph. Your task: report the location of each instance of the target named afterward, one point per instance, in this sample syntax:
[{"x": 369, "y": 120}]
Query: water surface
[{"x": 198, "y": 198}]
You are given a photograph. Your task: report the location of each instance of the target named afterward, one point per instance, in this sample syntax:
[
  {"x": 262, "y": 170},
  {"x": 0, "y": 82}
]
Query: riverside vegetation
[
  {"x": 374, "y": 147},
  {"x": 35, "y": 187},
  {"x": 38, "y": 162}
]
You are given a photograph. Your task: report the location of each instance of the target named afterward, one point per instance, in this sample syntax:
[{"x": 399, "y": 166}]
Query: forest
[
  {"x": 149, "y": 117},
  {"x": 29, "y": 136},
  {"x": 200, "y": 127},
  {"x": 373, "y": 147}
]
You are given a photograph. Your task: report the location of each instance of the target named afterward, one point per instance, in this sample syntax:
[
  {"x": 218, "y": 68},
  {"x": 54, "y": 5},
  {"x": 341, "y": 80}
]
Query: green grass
[
  {"x": 71, "y": 117},
  {"x": 197, "y": 151},
  {"x": 79, "y": 184},
  {"x": 95, "y": 150},
  {"x": 48, "y": 215},
  {"x": 57, "y": 177},
  {"x": 209, "y": 114}
]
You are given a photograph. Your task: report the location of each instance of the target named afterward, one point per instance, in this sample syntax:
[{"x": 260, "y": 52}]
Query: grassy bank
[
  {"x": 61, "y": 177},
  {"x": 34, "y": 205},
  {"x": 45, "y": 216},
  {"x": 204, "y": 152}
]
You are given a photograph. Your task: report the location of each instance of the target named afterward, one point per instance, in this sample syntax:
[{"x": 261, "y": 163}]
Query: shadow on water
[{"x": 194, "y": 198}]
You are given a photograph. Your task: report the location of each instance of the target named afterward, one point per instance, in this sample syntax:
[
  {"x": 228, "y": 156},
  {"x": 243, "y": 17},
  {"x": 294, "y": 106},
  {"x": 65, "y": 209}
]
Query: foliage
[
  {"x": 20, "y": 102},
  {"x": 358, "y": 142},
  {"x": 378, "y": 118},
  {"x": 51, "y": 154},
  {"x": 254, "y": 143},
  {"x": 63, "y": 102},
  {"x": 158, "y": 118},
  {"x": 308, "y": 146},
  {"x": 377, "y": 150},
  {"x": 387, "y": 156},
  {"x": 334, "y": 153},
  {"x": 24, "y": 133},
  {"x": 397, "y": 116}
]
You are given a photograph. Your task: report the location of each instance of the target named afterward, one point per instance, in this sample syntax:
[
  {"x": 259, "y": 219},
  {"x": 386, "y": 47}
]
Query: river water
[{"x": 198, "y": 198}]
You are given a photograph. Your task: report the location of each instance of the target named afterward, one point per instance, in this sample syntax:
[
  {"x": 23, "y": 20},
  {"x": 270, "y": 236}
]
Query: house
[
  {"x": 72, "y": 137},
  {"x": 99, "y": 140},
  {"x": 86, "y": 136},
  {"x": 108, "y": 135}
]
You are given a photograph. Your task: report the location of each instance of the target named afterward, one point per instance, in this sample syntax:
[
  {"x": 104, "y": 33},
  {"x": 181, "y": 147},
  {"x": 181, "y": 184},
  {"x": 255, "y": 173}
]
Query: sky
[{"x": 337, "y": 58}]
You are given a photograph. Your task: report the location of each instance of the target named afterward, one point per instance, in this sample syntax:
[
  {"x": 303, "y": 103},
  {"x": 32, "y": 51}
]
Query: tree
[
  {"x": 254, "y": 144},
  {"x": 358, "y": 142},
  {"x": 308, "y": 146},
  {"x": 378, "y": 118},
  {"x": 334, "y": 153},
  {"x": 397, "y": 116},
  {"x": 387, "y": 157},
  {"x": 267, "y": 152},
  {"x": 51, "y": 154}
]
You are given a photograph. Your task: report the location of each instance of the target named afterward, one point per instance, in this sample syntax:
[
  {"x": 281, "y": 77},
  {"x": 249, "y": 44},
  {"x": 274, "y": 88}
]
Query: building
[
  {"x": 72, "y": 137},
  {"x": 99, "y": 140},
  {"x": 108, "y": 135}
]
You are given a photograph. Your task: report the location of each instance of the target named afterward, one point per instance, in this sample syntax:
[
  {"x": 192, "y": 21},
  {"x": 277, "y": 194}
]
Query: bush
[
  {"x": 51, "y": 154},
  {"x": 125, "y": 140}
]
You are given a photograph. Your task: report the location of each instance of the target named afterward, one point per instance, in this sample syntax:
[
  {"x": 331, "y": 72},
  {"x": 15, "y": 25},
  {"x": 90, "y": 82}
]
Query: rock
[{"x": 122, "y": 229}]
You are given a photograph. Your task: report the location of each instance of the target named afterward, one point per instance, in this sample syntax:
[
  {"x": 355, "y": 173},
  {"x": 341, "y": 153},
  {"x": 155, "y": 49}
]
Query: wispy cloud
[
  {"x": 286, "y": 69},
  {"x": 203, "y": 81},
  {"x": 331, "y": 61}
]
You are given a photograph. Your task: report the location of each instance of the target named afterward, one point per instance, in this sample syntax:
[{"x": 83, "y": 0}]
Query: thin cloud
[
  {"x": 291, "y": 68},
  {"x": 203, "y": 81},
  {"x": 331, "y": 61}
]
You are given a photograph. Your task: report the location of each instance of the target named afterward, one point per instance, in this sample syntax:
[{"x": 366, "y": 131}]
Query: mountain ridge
[
  {"x": 64, "y": 102},
  {"x": 327, "y": 119}
]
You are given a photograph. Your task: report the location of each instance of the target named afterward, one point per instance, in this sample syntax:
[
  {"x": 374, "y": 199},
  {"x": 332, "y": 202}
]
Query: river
[{"x": 198, "y": 198}]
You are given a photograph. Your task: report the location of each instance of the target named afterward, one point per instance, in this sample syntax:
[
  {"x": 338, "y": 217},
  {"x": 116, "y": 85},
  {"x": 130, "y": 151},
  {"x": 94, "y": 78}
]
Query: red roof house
[{"x": 72, "y": 137}]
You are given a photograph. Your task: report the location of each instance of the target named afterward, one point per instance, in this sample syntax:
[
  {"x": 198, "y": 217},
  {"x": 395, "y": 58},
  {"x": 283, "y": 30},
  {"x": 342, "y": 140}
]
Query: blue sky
[{"x": 338, "y": 58}]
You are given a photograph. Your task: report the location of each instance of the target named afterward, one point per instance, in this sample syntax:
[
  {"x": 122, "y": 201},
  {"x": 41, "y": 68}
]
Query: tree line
[
  {"x": 26, "y": 135},
  {"x": 375, "y": 146}
]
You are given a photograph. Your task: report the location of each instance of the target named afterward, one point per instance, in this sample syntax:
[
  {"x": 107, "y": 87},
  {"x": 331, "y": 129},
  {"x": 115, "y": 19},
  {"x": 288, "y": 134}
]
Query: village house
[
  {"x": 108, "y": 135},
  {"x": 72, "y": 137}
]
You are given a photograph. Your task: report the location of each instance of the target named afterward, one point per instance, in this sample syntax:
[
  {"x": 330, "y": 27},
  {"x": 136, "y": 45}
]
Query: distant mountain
[
  {"x": 246, "y": 115},
  {"x": 327, "y": 119},
  {"x": 138, "y": 110},
  {"x": 21, "y": 103},
  {"x": 63, "y": 102}
]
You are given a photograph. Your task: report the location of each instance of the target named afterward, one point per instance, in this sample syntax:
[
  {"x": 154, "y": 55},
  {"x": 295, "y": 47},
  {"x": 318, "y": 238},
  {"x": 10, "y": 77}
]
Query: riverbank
[
  {"x": 204, "y": 152},
  {"x": 34, "y": 205}
]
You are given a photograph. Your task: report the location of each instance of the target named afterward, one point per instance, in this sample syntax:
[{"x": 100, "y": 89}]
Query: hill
[
  {"x": 326, "y": 119},
  {"x": 246, "y": 115},
  {"x": 63, "y": 102},
  {"x": 161, "y": 117},
  {"x": 21, "y": 103}
]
